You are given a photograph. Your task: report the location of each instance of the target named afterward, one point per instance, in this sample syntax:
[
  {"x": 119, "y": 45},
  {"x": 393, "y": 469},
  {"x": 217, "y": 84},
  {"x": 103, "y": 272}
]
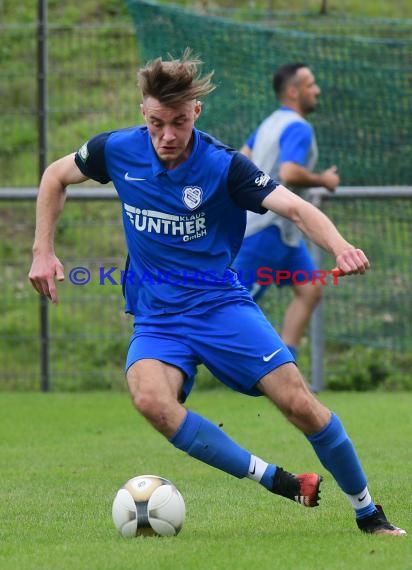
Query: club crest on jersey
[{"x": 192, "y": 196}]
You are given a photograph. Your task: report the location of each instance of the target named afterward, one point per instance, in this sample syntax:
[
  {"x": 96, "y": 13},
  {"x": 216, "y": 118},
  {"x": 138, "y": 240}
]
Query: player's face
[
  {"x": 171, "y": 129},
  {"x": 308, "y": 90}
]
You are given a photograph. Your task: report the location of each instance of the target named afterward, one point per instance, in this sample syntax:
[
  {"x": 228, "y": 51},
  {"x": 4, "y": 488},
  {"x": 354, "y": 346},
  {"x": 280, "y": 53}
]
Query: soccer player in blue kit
[
  {"x": 284, "y": 145},
  {"x": 184, "y": 197}
]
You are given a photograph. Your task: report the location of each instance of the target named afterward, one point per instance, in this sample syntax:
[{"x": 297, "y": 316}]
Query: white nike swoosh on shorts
[{"x": 270, "y": 356}]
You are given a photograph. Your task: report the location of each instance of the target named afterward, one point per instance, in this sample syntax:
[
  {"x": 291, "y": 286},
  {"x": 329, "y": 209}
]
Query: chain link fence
[{"x": 91, "y": 87}]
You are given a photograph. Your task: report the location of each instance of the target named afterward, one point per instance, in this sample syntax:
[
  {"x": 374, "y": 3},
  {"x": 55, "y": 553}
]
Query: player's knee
[
  {"x": 145, "y": 400},
  {"x": 155, "y": 408},
  {"x": 305, "y": 412},
  {"x": 297, "y": 407},
  {"x": 317, "y": 293},
  {"x": 311, "y": 293}
]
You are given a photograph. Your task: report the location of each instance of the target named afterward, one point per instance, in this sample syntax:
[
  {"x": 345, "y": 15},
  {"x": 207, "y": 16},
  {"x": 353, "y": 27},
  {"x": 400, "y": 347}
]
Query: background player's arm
[
  {"x": 295, "y": 146},
  {"x": 318, "y": 228},
  {"x": 246, "y": 150},
  {"x": 293, "y": 174},
  {"x": 50, "y": 202},
  {"x": 247, "y": 147}
]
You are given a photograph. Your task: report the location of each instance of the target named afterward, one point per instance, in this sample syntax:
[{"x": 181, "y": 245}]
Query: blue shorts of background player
[{"x": 265, "y": 249}]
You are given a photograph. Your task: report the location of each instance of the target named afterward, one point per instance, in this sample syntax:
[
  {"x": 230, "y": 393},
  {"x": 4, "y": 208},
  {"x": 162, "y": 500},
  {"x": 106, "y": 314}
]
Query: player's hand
[
  {"x": 330, "y": 178},
  {"x": 44, "y": 270},
  {"x": 351, "y": 262}
]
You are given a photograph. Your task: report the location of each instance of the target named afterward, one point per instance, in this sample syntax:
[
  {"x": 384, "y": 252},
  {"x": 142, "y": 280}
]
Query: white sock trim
[
  {"x": 257, "y": 467},
  {"x": 361, "y": 500}
]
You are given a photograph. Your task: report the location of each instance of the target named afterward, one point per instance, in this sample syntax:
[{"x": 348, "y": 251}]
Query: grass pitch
[{"x": 63, "y": 457}]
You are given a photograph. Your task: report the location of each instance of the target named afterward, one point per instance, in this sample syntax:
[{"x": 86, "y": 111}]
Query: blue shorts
[
  {"x": 265, "y": 249},
  {"x": 234, "y": 340}
]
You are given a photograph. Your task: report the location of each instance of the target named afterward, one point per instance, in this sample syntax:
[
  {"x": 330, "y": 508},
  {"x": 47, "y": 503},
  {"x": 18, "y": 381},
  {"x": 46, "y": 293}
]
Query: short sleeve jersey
[
  {"x": 183, "y": 226},
  {"x": 284, "y": 136}
]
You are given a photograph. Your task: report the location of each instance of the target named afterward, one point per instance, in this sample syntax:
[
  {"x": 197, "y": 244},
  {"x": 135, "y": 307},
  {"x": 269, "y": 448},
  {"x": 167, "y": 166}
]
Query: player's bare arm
[
  {"x": 293, "y": 174},
  {"x": 246, "y": 150},
  {"x": 46, "y": 267},
  {"x": 318, "y": 228}
]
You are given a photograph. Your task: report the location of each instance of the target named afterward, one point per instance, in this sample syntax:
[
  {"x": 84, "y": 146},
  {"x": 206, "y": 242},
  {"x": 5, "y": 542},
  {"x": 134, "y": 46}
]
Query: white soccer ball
[{"x": 148, "y": 505}]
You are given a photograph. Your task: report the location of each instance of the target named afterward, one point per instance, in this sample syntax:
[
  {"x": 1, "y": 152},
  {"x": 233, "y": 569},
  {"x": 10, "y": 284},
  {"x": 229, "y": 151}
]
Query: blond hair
[{"x": 175, "y": 81}]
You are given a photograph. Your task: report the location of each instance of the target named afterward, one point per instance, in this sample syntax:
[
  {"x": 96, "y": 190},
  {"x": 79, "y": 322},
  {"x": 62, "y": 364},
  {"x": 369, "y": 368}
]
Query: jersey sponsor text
[{"x": 189, "y": 227}]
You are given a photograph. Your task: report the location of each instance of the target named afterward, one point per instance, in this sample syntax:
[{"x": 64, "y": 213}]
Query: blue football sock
[
  {"x": 268, "y": 476},
  {"x": 337, "y": 454},
  {"x": 293, "y": 350},
  {"x": 203, "y": 440},
  {"x": 366, "y": 511}
]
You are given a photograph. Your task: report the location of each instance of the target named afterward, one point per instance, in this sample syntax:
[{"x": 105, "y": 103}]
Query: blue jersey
[{"x": 184, "y": 226}]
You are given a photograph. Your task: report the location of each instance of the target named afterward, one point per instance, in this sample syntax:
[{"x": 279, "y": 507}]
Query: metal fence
[
  {"x": 371, "y": 310},
  {"x": 81, "y": 343}
]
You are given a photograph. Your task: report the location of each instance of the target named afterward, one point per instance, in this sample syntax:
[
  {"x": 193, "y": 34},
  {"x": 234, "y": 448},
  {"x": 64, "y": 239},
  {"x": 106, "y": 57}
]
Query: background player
[{"x": 284, "y": 146}]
